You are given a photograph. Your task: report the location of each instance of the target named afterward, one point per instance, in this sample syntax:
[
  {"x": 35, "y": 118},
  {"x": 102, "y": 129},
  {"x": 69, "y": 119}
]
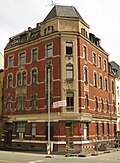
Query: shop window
[
  {"x": 20, "y": 130},
  {"x": 33, "y": 130}
]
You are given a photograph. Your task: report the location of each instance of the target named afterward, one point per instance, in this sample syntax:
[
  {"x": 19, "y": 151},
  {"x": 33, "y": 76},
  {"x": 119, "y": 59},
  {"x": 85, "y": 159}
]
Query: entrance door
[
  {"x": 69, "y": 135},
  {"x": 8, "y": 137}
]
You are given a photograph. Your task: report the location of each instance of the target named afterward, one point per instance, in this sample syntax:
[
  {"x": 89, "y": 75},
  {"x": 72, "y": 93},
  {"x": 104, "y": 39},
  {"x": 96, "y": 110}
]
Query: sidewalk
[{"x": 61, "y": 154}]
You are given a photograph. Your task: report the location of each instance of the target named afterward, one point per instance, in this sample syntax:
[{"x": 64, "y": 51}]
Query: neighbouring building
[
  {"x": 116, "y": 71},
  {"x": 1, "y": 102},
  {"x": 58, "y": 60},
  {"x": 1, "y": 61}
]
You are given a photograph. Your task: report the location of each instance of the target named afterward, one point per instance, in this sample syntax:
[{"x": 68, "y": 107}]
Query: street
[{"x": 23, "y": 157}]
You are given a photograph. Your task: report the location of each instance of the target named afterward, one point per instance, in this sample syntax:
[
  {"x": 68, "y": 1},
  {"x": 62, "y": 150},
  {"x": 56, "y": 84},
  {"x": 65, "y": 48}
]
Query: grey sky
[{"x": 103, "y": 16}]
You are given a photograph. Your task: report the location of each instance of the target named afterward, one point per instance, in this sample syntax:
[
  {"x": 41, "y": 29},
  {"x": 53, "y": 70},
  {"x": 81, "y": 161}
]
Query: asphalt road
[{"x": 23, "y": 157}]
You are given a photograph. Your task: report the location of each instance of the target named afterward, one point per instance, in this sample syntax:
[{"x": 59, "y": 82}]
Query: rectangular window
[
  {"x": 22, "y": 59},
  {"x": 70, "y": 101},
  {"x": 34, "y": 76},
  {"x": 20, "y": 103},
  {"x": 96, "y": 104},
  {"x": 34, "y": 55},
  {"x": 108, "y": 130},
  {"x": 107, "y": 106},
  {"x": 8, "y": 104},
  {"x": 49, "y": 50},
  {"x": 69, "y": 72},
  {"x": 85, "y": 76},
  {"x": 85, "y": 53},
  {"x": 24, "y": 102},
  {"x": 33, "y": 101},
  {"x": 118, "y": 108},
  {"x": 11, "y": 62},
  {"x": 117, "y": 91},
  {"x": 69, "y": 48},
  {"x": 96, "y": 129},
  {"x": 102, "y": 105}
]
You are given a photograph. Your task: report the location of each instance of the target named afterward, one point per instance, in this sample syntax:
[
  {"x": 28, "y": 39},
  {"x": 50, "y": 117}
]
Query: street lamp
[{"x": 48, "y": 145}]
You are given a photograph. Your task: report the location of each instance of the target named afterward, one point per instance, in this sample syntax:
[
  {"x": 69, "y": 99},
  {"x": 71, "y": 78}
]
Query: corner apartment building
[{"x": 60, "y": 54}]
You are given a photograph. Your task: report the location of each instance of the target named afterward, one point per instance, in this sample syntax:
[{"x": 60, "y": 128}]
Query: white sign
[{"x": 59, "y": 104}]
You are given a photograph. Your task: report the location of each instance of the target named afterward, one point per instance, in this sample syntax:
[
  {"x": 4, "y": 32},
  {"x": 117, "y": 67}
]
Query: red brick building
[{"x": 61, "y": 54}]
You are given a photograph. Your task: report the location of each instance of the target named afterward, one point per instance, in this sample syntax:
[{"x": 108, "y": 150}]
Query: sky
[{"x": 103, "y": 17}]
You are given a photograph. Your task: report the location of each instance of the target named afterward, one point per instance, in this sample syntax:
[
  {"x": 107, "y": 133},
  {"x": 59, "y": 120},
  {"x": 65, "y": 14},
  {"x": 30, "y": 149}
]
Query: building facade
[{"x": 58, "y": 60}]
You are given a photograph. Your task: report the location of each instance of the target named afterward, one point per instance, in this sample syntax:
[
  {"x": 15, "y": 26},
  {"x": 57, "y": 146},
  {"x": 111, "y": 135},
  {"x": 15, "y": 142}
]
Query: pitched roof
[{"x": 63, "y": 11}]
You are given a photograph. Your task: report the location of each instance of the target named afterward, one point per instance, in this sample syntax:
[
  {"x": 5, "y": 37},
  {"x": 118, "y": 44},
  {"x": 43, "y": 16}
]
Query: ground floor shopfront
[{"x": 64, "y": 134}]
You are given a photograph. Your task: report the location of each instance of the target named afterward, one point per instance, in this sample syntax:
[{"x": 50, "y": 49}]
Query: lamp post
[{"x": 48, "y": 145}]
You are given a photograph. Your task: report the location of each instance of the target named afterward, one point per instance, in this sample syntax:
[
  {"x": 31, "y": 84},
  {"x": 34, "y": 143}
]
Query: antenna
[{"x": 52, "y": 3}]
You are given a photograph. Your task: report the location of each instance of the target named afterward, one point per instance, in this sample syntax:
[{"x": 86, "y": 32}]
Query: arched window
[
  {"x": 106, "y": 84},
  {"x": 24, "y": 78},
  {"x": 112, "y": 86},
  {"x": 101, "y": 85},
  {"x": 10, "y": 81},
  {"x": 96, "y": 103},
  {"x": 19, "y": 79},
  {"x": 102, "y": 105}
]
